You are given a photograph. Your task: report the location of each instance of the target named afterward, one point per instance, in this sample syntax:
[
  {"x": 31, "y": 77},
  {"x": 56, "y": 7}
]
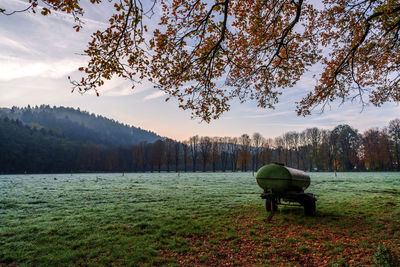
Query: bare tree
[
  {"x": 194, "y": 149},
  {"x": 205, "y": 149},
  {"x": 157, "y": 154},
  {"x": 279, "y": 146},
  {"x": 233, "y": 152},
  {"x": 169, "y": 151},
  {"x": 295, "y": 147},
  {"x": 215, "y": 152},
  {"x": 244, "y": 141},
  {"x": 224, "y": 152},
  {"x": 291, "y": 140},
  {"x": 177, "y": 146},
  {"x": 303, "y": 150},
  {"x": 142, "y": 156},
  {"x": 286, "y": 148},
  {"x": 185, "y": 153},
  {"x": 325, "y": 151},
  {"x": 266, "y": 151},
  {"x": 255, "y": 150}
]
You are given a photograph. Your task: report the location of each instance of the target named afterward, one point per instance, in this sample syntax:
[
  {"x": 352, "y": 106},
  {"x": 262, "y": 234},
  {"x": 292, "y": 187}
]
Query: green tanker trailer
[{"x": 281, "y": 183}]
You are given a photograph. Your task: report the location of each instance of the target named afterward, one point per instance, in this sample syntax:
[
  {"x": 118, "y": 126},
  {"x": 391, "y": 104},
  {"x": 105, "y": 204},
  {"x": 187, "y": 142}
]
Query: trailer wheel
[
  {"x": 270, "y": 203},
  {"x": 309, "y": 206}
]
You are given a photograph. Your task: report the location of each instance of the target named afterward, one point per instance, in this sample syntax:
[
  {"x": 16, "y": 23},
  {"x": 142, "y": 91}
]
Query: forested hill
[
  {"x": 23, "y": 148},
  {"x": 79, "y": 126}
]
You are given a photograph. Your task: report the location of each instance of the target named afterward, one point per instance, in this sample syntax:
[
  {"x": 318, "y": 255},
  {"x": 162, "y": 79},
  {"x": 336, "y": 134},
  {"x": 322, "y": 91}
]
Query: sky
[{"x": 38, "y": 53}]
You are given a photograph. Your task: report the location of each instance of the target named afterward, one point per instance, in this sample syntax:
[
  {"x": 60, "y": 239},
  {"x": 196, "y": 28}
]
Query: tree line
[
  {"x": 314, "y": 149},
  {"x": 39, "y": 150}
]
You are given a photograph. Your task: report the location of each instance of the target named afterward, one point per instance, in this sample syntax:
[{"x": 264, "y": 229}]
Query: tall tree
[
  {"x": 257, "y": 143},
  {"x": 394, "y": 131},
  {"x": 313, "y": 137},
  {"x": 279, "y": 146},
  {"x": 157, "y": 154},
  {"x": 194, "y": 149},
  {"x": 347, "y": 142},
  {"x": 266, "y": 151},
  {"x": 245, "y": 142},
  {"x": 177, "y": 146},
  {"x": 185, "y": 154},
  {"x": 215, "y": 152},
  {"x": 224, "y": 152},
  {"x": 233, "y": 149},
  {"x": 325, "y": 151},
  {"x": 205, "y": 149},
  {"x": 375, "y": 150},
  {"x": 169, "y": 153}
]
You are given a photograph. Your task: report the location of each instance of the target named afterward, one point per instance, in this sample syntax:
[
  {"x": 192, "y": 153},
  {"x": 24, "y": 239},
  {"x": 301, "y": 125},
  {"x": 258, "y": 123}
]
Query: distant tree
[
  {"x": 215, "y": 152},
  {"x": 303, "y": 153},
  {"x": 194, "y": 149},
  {"x": 245, "y": 142},
  {"x": 290, "y": 140},
  {"x": 347, "y": 141},
  {"x": 185, "y": 153},
  {"x": 135, "y": 157},
  {"x": 394, "y": 131},
  {"x": 257, "y": 143},
  {"x": 389, "y": 148},
  {"x": 295, "y": 147},
  {"x": 313, "y": 139},
  {"x": 375, "y": 150},
  {"x": 141, "y": 158},
  {"x": 177, "y": 146},
  {"x": 286, "y": 148},
  {"x": 157, "y": 154},
  {"x": 147, "y": 148},
  {"x": 205, "y": 149},
  {"x": 169, "y": 153},
  {"x": 325, "y": 152},
  {"x": 266, "y": 151},
  {"x": 233, "y": 149},
  {"x": 279, "y": 147}
]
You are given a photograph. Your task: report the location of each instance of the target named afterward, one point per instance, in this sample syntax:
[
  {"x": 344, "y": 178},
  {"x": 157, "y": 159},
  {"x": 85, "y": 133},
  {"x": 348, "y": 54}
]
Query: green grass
[{"x": 196, "y": 218}]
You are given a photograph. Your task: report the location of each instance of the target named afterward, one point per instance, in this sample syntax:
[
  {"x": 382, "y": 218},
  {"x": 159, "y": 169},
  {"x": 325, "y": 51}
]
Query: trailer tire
[{"x": 270, "y": 203}]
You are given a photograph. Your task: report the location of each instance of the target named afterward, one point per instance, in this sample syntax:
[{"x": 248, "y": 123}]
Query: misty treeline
[
  {"x": 313, "y": 149},
  {"x": 24, "y": 148}
]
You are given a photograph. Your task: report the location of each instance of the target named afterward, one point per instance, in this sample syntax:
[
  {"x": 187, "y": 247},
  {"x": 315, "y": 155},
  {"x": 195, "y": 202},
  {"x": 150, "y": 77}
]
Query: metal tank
[
  {"x": 277, "y": 178},
  {"x": 284, "y": 186}
]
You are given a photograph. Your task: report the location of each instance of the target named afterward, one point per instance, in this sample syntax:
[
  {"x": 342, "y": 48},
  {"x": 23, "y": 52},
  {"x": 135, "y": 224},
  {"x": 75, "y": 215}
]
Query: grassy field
[{"x": 195, "y": 219}]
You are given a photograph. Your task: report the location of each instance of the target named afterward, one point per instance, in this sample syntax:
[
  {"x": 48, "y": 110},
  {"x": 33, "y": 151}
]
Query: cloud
[
  {"x": 15, "y": 68},
  {"x": 269, "y": 115},
  {"x": 8, "y": 43},
  {"x": 154, "y": 95}
]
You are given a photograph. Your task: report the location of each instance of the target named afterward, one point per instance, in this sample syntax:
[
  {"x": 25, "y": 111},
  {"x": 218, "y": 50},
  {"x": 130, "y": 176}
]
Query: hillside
[
  {"x": 27, "y": 149},
  {"x": 80, "y": 126}
]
